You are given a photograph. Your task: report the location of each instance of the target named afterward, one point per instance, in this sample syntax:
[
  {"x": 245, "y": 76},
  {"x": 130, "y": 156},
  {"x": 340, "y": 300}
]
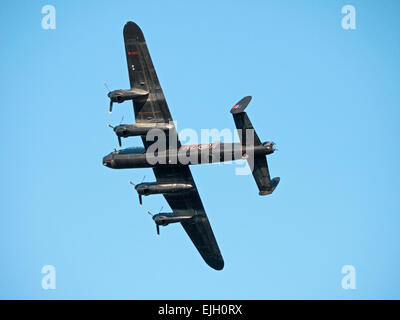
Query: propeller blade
[
  {"x": 110, "y": 126},
  {"x": 158, "y": 229},
  {"x": 119, "y": 141},
  {"x": 111, "y": 105},
  {"x": 150, "y": 213},
  {"x": 131, "y": 183},
  {"x": 140, "y": 199}
]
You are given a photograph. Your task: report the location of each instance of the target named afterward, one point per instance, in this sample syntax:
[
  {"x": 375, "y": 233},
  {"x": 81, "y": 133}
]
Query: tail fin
[
  {"x": 241, "y": 105},
  {"x": 243, "y": 123},
  {"x": 265, "y": 184},
  {"x": 259, "y": 168}
]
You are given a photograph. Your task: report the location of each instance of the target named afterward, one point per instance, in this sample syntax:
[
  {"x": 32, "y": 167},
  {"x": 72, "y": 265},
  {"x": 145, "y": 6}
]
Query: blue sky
[{"x": 328, "y": 97}]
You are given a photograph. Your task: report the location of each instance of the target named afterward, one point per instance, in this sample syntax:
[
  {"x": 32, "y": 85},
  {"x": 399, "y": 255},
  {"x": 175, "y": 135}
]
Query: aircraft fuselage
[{"x": 185, "y": 155}]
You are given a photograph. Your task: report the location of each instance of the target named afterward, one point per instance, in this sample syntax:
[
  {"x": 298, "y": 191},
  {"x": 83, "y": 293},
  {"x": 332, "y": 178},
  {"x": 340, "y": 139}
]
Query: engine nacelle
[
  {"x": 164, "y": 219},
  {"x": 120, "y": 95},
  {"x": 147, "y": 188},
  {"x": 139, "y": 129},
  {"x": 123, "y": 95}
]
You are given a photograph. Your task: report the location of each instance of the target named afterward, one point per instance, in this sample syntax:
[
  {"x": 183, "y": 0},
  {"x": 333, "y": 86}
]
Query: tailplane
[{"x": 248, "y": 136}]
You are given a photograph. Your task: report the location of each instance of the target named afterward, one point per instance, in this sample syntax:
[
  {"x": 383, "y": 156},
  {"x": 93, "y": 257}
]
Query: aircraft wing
[
  {"x": 189, "y": 203},
  {"x": 142, "y": 75}
]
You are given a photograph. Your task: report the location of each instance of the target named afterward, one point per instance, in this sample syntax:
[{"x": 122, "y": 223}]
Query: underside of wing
[
  {"x": 142, "y": 75},
  {"x": 189, "y": 203},
  {"x": 153, "y": 108}
]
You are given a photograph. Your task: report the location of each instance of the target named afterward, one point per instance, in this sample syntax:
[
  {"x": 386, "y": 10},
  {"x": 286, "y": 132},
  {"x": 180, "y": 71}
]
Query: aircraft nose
[{"x": 107, "y": 161}]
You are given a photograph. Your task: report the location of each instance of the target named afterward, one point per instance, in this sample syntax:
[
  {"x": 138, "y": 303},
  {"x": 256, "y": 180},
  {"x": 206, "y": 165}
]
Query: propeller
[
  {"x": 117, "y": 132},
  {"x": 118, "y": 136},
  {"x": 157, "y": 225},
  {"x": 109, "y": 92},
  {"x": 140, "y": 196},
  {"x": 134, "y": 184},
  {"x": 158, "y": 211}
]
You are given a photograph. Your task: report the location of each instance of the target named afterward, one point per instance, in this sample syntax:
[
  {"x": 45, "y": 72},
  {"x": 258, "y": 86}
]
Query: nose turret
[{"x": 108, "y": 161}]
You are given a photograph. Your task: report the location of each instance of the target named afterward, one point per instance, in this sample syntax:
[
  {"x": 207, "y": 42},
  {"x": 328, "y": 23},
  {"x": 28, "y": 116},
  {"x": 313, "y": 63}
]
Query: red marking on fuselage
[
  {"x": 135, "y": 53},
  {"x": 200, "y": 146},
  {"x": 235, "y": 106}
]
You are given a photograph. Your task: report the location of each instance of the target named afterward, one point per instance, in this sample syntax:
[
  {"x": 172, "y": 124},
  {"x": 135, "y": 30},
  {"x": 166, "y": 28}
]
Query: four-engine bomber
[{"x": 170, "y": 161}]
